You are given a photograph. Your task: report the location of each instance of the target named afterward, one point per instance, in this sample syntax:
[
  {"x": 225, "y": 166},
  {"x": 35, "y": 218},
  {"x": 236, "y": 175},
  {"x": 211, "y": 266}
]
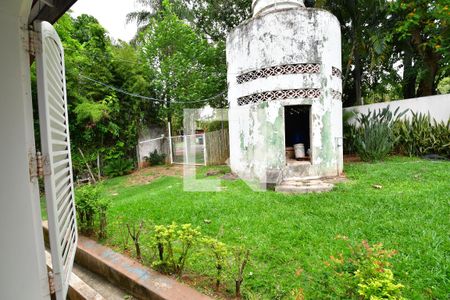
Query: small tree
[
  {"x": 241, "y": 258},
  {"x": 135, "y": 233},
  {"x": 220, "y": 252}
]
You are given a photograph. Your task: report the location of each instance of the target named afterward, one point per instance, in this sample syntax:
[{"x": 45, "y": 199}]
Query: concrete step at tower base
[{"x": 296, "y": 186}]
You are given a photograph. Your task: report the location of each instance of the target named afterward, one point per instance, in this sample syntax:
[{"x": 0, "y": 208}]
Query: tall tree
[
  {"x": 216, "y": 18},
  {"x": 103, "y": 120},
  {"x": 187, "y": 68},
  {"x": 361, "y": 24},
  {"x": 424, "y": 25},
  {"x": 151, "y": 8}
]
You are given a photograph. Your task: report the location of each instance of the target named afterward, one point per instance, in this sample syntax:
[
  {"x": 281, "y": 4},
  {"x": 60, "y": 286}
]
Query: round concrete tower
[{"x": 285, "y": 90}]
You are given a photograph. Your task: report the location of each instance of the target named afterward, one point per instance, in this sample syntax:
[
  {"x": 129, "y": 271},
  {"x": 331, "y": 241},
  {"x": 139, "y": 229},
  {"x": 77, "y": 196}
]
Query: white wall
[
  {"x": 437, "y": 106},
  {"x": 23, "y": 273}
]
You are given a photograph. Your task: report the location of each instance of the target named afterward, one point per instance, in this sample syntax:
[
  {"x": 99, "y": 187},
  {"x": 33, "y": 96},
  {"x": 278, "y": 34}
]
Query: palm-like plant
[{"x": 142, "y": 17}]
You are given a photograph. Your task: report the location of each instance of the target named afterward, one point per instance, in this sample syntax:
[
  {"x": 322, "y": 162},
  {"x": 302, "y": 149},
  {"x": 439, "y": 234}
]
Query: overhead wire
[{"x": 119, "y": 90}]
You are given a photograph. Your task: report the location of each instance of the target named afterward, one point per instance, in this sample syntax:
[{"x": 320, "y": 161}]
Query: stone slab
[{"x": 295, "y": 189}]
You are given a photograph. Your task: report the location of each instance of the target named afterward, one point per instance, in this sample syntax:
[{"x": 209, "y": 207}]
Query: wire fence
[{"x": 210, "y": 148}]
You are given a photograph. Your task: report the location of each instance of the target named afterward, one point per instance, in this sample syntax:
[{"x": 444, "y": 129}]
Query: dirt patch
[
  {"x": 351, "y": 158},
  {"x": 147, "y": 175}
]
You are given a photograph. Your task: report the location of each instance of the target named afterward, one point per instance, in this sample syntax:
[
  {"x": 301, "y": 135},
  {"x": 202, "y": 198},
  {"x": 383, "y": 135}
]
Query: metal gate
[
  {"x": 188, "y": 149},
  {"x": 181, "y": 150}
]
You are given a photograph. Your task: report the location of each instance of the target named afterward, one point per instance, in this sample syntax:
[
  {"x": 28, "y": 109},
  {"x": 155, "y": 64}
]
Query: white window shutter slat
[{"x": 54, "y": 125}]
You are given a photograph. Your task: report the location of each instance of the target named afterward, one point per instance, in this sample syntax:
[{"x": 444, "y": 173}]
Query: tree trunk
[
  {"x": 409, "y": 76},
  {"x": 238, "y": 289},
  {"x": 358, "y": 79},
  {"x": 427, "y": 85},
  {"x": 357, "y": 40},
  {"x": 430, "y": 59}
]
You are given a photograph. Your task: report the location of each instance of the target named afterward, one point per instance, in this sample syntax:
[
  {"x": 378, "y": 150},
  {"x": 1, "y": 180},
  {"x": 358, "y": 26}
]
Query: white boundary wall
[{"x": 437, "y": 106}]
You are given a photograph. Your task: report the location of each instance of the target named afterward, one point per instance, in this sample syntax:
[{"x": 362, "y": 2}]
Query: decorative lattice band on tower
[
  {"x": 279, "y": 70},
  {"x": 279, "y": 95}
]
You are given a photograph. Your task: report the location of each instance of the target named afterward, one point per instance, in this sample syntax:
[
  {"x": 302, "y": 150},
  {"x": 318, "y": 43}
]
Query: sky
[{"x": 111, "y": 14}]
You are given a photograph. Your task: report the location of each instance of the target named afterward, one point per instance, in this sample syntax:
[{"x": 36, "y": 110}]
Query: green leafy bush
[
  {"x": 118, "y": 167},
  {"x": 375, "y": 137},
  {"x": 91, "y": 209},
  {"x": 173, "y": 244},
  {"x": 420, "y": 135},
  {"x": 155, "y": 158},
  {"x": 364, "y": 273}
]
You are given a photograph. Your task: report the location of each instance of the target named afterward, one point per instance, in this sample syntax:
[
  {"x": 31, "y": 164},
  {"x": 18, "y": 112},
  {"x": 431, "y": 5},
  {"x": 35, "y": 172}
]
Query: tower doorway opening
[{"x": 297, "y": 122}]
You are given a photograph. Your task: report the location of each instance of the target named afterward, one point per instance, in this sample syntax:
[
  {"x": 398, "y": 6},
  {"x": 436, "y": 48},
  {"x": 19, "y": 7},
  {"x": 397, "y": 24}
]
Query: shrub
[
  {"x": 173, "y": 244},
  {"x": 102, "y": 208},
  {"x": 420, "y": 136},
  {"x": 363, "y": 274},
  {"x": 135, "y": 233},
  {"x": 118, "y": 167},
  {"x": 375, "y": 137},
  {"x": 219, "y": 252},
  {"x": 155, "y": 158},
  {"x": 91, "y": 207}
]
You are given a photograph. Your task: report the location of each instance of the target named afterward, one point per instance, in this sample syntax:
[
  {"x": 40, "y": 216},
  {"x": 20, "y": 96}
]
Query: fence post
[
  {"x": 185, "y": 152},
  {"x": 98, "y": 166},
  {"x": 170, "y": 144},
  {"x": 205, "y": 152}
]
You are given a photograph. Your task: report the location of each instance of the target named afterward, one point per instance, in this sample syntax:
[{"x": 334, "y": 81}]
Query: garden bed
[{"x": 402, "y": 203}]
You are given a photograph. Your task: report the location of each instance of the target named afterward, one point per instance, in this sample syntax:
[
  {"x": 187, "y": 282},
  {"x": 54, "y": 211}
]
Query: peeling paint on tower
[{"x": 285, "y": 60}]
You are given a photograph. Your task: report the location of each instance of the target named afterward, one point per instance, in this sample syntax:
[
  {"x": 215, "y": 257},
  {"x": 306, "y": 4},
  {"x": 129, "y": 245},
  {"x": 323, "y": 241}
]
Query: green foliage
[
  {"x": 218, "y": 17},
  {"x": 350, "y": 132},
  {"x": 422, "y": 27},
  {"x": 155, "y": 158},
  {"x": 363, "y": 273},
  {"x": 118, "y": 167},
  {"x": 90, "y": 111},
  {"x": 380, "y": 286},
  {"x": 419, "y": 135},
  {"x": 103, "y": 121},
  {"x": 210, "y": 126},
  {"x": 409, "y": 214},
  {"x": 173, "y": 245},
  {"x": 185, "y": 66},
  {"x": 219, "y": 252},
  {"x": 444, "y": 86},
  {"x": 91, "y": 207},
  {"x": 375, "y": 138}
]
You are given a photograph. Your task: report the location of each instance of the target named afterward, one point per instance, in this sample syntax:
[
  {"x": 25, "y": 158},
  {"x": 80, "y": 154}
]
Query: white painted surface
[
  {"x": 437, "y": 106},
  {"x": 23, "y": 273},
  {"x": 55, "y": 140},
  {"x": 264, "y": 6},
  {"x": 151, "y": 139},
  {"x": 280, "y": 37}
]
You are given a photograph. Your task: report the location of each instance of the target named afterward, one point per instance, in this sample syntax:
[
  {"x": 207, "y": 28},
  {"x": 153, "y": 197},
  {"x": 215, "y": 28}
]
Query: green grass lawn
[{"x": 286, "y": 233}]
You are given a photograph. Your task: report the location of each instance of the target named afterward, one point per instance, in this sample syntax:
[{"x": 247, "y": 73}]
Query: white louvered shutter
[{"x": 54, "y": 124}]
